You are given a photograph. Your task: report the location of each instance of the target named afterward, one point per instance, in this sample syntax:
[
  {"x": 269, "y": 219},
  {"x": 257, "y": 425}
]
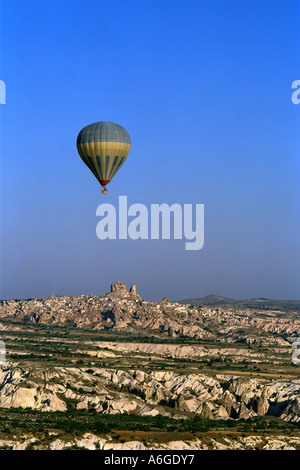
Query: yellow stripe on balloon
[
  {"x": 105, "y": 148},
  {"x": 103, "y": 155}
]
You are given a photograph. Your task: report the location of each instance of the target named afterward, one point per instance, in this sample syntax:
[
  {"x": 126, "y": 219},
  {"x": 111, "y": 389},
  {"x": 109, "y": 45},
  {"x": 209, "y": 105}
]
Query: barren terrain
[{"x": 118, "y": 372}]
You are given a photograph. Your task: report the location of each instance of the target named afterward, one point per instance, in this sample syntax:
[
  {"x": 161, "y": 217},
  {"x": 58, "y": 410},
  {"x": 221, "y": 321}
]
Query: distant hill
[{"x": 213, "y": 299}]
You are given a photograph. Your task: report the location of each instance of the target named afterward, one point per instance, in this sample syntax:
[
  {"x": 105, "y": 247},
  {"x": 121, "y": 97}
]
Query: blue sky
[{"x": 204, "y": 90}]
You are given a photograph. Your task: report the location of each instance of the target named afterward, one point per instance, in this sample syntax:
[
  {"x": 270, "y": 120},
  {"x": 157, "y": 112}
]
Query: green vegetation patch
[{"x": 81, "y": 421}]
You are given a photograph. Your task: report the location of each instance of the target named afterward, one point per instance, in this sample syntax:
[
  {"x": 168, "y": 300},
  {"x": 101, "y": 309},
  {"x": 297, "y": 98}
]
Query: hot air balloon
[{"x": 104, "y": 147}]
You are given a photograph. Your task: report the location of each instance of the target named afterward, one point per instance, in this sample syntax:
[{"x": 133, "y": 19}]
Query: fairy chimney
[{"x": 133, "y": 289}]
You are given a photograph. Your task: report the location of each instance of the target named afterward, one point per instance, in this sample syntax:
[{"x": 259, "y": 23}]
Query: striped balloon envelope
[{"x": 104, "y": 147}]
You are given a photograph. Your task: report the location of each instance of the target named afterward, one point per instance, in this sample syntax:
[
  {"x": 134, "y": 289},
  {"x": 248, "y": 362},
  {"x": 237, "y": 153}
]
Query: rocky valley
[{"x": 117, "y": 372}]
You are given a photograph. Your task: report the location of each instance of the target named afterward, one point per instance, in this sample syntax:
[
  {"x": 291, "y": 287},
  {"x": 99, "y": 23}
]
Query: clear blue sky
[{"x": 204, "y": 89}]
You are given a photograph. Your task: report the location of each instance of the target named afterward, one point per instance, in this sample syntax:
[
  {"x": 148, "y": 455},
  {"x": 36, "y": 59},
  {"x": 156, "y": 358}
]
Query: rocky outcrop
[
  {"x": 178, "y": 361},
  {"x": 291, "y": 412},
  {"x": 122, "y": 309},
  {"x": 118, "y": 287},
  {"x": 133, "y": 289},
  {"x": 91, "y": 441},
  {"x": 17, "y": 390},
  {"x": 206, "y": 412},
  {"x": 262, "y": 406},
  {"x": 112, "y": 391}
]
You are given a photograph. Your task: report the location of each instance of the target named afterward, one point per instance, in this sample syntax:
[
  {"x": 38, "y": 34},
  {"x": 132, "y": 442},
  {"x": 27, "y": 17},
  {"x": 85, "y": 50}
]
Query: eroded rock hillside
[
  {"x": 123, "y": 309},
  {"x": 118, "y": 372}
]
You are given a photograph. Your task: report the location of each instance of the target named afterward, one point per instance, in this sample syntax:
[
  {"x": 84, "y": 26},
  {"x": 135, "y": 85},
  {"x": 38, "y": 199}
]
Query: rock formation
[
  {"x": 118, "y": 287},
  {"x": 122, "y": 309},
  {"x": 161, "y": 358},
  {"x": 133, "y": 289}
]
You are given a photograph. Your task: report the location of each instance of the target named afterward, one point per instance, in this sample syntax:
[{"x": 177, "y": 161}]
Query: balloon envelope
[{"x": 103, "y": 146}]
